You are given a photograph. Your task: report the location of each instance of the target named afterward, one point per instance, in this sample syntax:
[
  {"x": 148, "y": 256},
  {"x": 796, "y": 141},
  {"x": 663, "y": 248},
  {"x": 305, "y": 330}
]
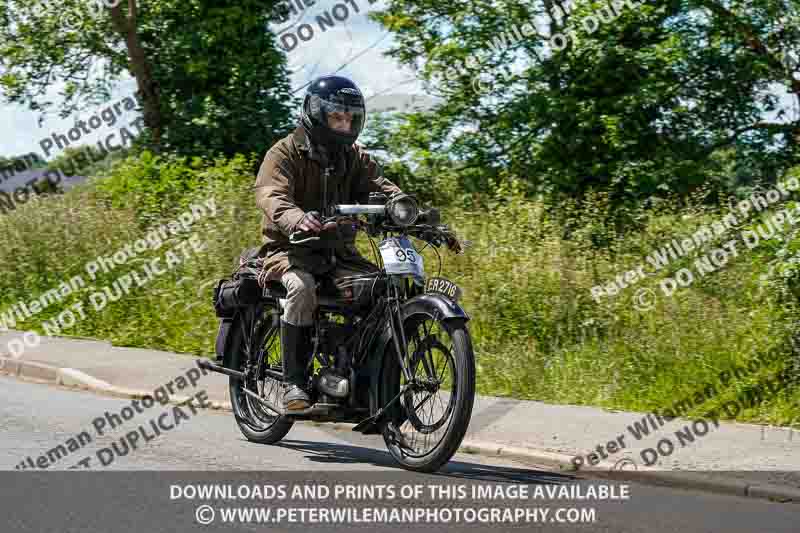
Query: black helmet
[{"x": 333, "y": 94}]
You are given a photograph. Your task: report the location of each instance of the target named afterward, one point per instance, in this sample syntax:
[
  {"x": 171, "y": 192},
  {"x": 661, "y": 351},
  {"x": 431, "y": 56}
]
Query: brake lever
[
  {"x": 454, "y": 244},
  {"x": 296, "y": 237}
]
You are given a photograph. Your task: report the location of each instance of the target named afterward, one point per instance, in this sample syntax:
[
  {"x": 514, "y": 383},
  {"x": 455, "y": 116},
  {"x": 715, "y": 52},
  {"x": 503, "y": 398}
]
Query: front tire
[
  {"x": 255, "y": 421},
  {"x": 409, "y": 420}
]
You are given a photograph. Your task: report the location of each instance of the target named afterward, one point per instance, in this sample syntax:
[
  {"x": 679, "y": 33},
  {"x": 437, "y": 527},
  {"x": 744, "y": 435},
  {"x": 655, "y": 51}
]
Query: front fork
[
  {"x": 401, "y": 342},
  {"x": 398, "y": 332}
]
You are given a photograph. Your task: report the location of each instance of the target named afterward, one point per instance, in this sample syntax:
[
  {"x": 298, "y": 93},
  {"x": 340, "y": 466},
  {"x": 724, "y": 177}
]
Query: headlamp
[{"x": 403, "y": 210}]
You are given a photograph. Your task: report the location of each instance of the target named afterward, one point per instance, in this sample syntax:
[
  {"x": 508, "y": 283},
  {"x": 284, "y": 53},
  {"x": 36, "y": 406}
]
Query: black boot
[{"x": 296, "y": 346}]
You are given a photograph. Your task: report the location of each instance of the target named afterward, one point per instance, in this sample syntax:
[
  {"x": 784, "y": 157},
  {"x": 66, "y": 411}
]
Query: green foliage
[
  {"x": 162, "y": 185},
  {"x": 21, "y": 163},
  {"x": 537, "y": 331},
  {"x": 51, "y": 242},
  {"x": 661, "y": 100},
  {"x": 85, "y": 160},
  {"x": 402, "y": 141},
  {"x": 38, "y": 47},
  {"x": 210, "y": 72},
  {"x": 223, "y": 82}
]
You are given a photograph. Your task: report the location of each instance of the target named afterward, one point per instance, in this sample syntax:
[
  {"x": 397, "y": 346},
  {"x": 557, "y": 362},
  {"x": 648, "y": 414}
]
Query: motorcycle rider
[{"x": 316, "y": 166}]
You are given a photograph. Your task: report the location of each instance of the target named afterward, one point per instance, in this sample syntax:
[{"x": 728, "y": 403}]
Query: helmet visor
[{"x": 344, "y": 115}]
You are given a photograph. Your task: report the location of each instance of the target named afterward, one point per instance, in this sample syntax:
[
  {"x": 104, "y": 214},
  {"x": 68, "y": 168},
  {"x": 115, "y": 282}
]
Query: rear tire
[
  {"x": 459, "y": 359},
  {"x": 255, "y": 421}
]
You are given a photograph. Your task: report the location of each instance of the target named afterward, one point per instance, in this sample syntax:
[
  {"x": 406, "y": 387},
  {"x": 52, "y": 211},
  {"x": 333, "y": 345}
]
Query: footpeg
[
  {"x": 205, "y": 364},
  {"x": 316, "y": 410}
]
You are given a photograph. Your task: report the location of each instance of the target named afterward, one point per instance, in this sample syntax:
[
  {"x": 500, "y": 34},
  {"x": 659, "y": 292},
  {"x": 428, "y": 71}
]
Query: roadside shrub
[{"x": 538, "y": 332}]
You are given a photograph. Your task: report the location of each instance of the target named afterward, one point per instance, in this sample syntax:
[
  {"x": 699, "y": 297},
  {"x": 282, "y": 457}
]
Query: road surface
[{"x": 207, "y": 446}]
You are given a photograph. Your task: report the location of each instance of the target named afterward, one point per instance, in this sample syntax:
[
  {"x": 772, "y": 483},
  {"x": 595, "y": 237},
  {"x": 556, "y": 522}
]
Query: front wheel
[{"x": 426, "y": 425}]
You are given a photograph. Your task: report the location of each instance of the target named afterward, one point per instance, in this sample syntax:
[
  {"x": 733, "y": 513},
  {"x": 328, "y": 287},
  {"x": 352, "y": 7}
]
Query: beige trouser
[
  {"x": 301, "y": 297},
  {"x": 301, "y": 293}
]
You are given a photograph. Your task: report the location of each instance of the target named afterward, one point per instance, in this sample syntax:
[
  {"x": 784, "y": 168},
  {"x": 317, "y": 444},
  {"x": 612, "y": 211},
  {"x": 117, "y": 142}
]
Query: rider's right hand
[{"x": 310, "y": 223}]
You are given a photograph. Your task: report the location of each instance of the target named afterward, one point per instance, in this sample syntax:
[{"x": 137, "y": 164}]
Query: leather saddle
[{"x": 250, "y": 265}]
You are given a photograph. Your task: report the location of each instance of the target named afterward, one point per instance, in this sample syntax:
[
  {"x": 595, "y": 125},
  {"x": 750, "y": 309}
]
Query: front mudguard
[{"x": 434, "y": 306}]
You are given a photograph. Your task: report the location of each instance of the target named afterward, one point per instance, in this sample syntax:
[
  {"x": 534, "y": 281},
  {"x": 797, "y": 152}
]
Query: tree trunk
[{"x": 140, "y": 68}]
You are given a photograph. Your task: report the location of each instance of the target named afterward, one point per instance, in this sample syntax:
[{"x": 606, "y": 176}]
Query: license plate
[{"x": 443, "y": 286}]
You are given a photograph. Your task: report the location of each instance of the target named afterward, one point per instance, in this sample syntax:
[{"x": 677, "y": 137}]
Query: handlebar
[
  {"x": 431, "y": 231},
  {"x": 299, "y": 237},
  {"x": 359, "y": 209}
]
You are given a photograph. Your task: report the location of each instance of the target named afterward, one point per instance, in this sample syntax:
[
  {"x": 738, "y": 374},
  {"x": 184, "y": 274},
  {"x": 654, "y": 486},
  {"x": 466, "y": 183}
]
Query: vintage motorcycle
[{"x": 392, "y": 352}]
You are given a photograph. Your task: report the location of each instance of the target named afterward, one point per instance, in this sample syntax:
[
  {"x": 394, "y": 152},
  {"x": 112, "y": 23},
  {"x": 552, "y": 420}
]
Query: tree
[
  {"x": 634, "y": 100},
  {"x": 209, "y": 74},
  {"x": 224, "y": 84}
]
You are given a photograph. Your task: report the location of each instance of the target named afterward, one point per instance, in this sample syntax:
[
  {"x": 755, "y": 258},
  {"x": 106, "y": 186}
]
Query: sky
[
  {"x": 354, "y": 41},
  {"x": 323, "y": 53}
]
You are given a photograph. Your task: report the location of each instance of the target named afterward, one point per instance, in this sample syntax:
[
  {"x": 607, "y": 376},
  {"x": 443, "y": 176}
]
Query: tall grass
[
  {"x": 540, "y": 334},
  {"x": 537, "y": 331}
]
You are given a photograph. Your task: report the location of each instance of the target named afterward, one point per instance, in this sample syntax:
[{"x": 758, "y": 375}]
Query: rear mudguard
[
  {"x": 228, "y": 328},
  {"x": 224, "y": 347},
  {"x": 223, "y": 344},
  {"x": 432, "y": 305}
]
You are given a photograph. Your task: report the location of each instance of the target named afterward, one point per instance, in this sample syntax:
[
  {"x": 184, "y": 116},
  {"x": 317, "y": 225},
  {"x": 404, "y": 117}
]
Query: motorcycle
[{"x": 391, "y": 349}]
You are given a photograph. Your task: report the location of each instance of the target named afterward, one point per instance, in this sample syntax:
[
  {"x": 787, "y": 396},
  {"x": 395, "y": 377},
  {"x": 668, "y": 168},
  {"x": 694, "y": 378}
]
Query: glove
[{"x": 310, "y": 223}]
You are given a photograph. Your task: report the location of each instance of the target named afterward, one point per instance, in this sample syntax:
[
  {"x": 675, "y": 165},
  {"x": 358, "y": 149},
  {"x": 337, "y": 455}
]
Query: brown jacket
[{"x": 290, "y": 183}]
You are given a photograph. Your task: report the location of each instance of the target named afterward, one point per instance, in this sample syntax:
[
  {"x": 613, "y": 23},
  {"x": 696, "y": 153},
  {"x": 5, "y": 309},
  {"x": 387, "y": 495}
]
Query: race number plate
[
  {"x": 400, "y": 258},
  {"x": 444, "y": 287}
]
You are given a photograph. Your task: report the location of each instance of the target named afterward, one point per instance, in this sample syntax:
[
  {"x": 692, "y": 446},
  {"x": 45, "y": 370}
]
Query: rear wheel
[
  {"x": 257, "y": 350},
  {"x": 426, "y": 425}
]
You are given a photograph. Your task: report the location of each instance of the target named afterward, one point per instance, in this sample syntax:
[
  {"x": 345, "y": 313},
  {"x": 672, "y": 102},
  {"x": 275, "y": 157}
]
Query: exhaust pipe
[{"x": 208, "y": 365}]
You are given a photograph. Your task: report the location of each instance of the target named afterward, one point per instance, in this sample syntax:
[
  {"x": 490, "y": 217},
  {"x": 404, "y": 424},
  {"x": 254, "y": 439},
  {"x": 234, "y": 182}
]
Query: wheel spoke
[
  {"x": 268, "y": 352},
  {"x": 427, "y": 419},
  {"x": 423, "y": 402}
]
